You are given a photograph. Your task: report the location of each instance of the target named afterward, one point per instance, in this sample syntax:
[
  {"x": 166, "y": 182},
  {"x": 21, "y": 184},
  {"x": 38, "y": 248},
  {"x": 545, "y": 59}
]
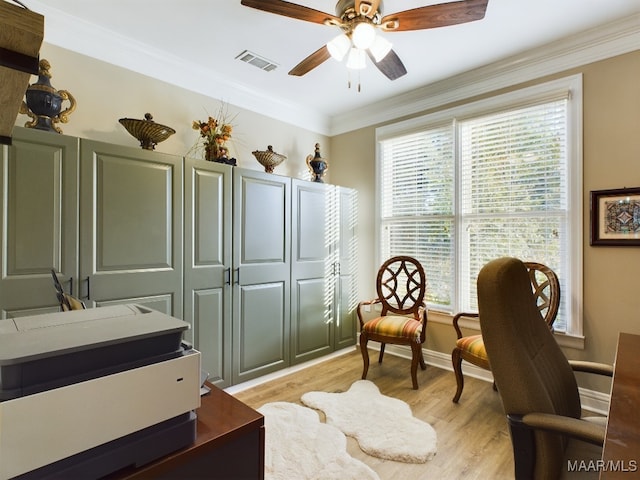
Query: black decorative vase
[
  {"x": 44, "y": 103},
  {"x": 317, "y": 165}
]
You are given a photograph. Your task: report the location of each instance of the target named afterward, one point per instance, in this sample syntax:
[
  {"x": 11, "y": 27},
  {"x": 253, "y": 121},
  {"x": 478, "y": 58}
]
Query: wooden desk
[
  {"x": 229, "y": 445},
  {"x": 622, "y": 440}
]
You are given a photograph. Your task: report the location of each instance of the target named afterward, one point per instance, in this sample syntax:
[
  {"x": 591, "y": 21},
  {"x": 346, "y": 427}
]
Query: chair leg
[
  {"x": 416, "y": 352},
  {"x": 423, "y": 364},
  {"x": 381, "y": 352},
  {"x": 456, "y": 359},
  {"x": 365, "y": 354}
]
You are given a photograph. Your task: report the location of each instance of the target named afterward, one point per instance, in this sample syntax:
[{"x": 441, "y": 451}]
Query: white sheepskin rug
[
  {"x": 298, "y": 446},
  {"x": 383, "y": 426}
]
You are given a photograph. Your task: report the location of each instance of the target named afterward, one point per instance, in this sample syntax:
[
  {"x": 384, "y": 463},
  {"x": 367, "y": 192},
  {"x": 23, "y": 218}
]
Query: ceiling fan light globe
[
  {"x": 380, "y": 48},
  {"x": 364, "y": 34},
  {"x": 339, "y": 47},
  {"x": 356, "y": 59}
]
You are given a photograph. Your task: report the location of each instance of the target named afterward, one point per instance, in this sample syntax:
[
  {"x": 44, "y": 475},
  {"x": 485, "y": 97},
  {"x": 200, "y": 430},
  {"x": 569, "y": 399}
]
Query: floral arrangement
[{"x": 214, "y": 133}]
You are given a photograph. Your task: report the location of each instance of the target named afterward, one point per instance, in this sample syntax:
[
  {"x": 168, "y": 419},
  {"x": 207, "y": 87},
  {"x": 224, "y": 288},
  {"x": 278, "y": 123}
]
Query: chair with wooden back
[
  {"x": 546, "y": 290},
  {"x": 535, "y": 380},
  {"x": 67, "y": 301},
  {"x": 401, "y": 288}
]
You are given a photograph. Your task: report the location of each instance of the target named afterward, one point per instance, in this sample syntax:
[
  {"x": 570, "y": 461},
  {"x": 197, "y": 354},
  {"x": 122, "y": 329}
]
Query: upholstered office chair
[
  {"x": 546, "y": 289},
  {"x": 534, "y": 379},
  {"x": 67, "y": 301},
  {"x": 401, "y": 287}
]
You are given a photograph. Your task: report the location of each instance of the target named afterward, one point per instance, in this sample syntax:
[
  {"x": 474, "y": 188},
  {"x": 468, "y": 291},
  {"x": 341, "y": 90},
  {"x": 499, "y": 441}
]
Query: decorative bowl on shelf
[
  {"x": 148, "y": 132},
  {"x": 268, "y": 158}
]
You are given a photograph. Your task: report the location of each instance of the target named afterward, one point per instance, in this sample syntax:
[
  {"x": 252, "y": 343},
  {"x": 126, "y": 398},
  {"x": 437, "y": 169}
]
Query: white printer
[{"x": 87, "y": 392}]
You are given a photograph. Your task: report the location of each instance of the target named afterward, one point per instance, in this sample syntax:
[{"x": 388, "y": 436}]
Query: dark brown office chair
[
  {"x": 534, "y": 378},
  {"x": 67, "y": 302},
  {"x": 401, "y": 288},
  {"x": 546, "y": 289}
]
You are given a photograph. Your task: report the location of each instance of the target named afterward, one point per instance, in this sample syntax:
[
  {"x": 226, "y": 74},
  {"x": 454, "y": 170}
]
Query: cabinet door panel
[
  {"x": 39, "y": 212},
  {"x": 131, "y": 238},
  {"x": 211, "y": 329},
  {"x": 261, "y": 273},
  {"x": 207, "y": 265},
  {"x": 346, "y": 318},
  {"x": 311, "y": 332},
  {"x": 262, "y": 330},
  {"x": 312, "y": 265},
  {"x": 133, "y": 215}
]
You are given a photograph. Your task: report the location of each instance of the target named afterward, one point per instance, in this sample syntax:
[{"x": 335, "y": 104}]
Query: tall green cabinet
[
  {"x": 107, "y": 218},
  {"x": 260, "y": 265},
  {"x": 39, "y": 212},
  {"x": 322, "y": 269}
]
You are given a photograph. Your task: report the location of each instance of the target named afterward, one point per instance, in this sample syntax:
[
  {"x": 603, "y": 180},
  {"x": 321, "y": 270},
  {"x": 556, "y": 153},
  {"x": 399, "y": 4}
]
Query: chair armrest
[
  {"x": 457, "y": 317},
  {"x": 362, "y": 304},
  {"x": 422, "y": 311},
  {"x": 369, "y": 302},
  {"x": 574, "y": 427},
  {"x": 591, "y": 367}
]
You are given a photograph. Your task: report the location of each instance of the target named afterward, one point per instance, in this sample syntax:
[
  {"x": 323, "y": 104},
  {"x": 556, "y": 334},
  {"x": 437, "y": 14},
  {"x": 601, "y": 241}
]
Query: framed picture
[{"x": 615, "y": 217}]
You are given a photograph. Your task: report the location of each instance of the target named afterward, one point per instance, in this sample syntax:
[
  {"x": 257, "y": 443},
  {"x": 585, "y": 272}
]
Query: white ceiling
[{"x": 196, "y": 42}]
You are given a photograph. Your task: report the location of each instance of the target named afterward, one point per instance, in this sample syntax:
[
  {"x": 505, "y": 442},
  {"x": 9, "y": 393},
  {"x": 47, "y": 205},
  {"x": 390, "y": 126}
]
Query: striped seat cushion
[
  {"x": 474, "y": 345},
  {"x": 394, "y": 326}
]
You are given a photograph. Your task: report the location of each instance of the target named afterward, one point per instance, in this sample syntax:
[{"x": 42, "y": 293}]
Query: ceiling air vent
[{"x": 257, "y": 61}]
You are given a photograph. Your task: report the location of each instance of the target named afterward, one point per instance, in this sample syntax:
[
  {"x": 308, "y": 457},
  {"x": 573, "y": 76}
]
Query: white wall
[{"x": 105, "y": 93}]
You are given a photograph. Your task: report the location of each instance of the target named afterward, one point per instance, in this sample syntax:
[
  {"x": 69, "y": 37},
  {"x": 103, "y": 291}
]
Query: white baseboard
[{"x": 285, "y": 371}]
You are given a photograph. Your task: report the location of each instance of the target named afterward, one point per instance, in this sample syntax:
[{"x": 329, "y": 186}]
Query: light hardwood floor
[{"x": 473, "y": 440}]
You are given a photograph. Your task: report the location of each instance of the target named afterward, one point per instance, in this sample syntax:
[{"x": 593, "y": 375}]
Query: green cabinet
[
  {"x": 260, "y": 265},
  {"x": 39, "y": 213},
  {"x": 261, "y": 273},
  {"x": 269, "y": 275},
  {"x": 322, "y": 270},
  {"x": 107, "y": 218},
  {"x": 130, "y": 227},
  {"x": 207, "y": 264},
  {"x": 346, "y": 295}
]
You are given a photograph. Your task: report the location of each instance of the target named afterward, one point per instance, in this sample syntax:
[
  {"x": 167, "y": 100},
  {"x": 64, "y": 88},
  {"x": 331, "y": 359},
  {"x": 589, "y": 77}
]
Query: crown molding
[
  {"x": 612, "y": 39},
  {"x": 64, "y": 30}
]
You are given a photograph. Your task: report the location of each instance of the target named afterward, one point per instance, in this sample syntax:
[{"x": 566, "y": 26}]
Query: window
[{"x": 498, "y": 177}]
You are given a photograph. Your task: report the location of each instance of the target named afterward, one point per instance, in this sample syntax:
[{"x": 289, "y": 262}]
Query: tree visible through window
[{"x": 462, "y": 187}]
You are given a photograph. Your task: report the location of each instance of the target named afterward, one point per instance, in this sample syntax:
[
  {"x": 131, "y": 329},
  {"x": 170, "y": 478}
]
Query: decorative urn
[
  {"x": 147, "y": 132},
  {"x": 268, "y": 158},
  {"x": 317, "y": 165},
  {"x": 44, "y": 103}
]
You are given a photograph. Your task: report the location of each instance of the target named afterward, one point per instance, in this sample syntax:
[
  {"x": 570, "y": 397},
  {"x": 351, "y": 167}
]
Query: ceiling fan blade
[
  {"x": 293, "y": 10},
  {"x": 312, "y": 61},
  {"x": 368, "y": 8},
  {"x": 390, "y": 65},
  {"x": 432, "y": 16}
]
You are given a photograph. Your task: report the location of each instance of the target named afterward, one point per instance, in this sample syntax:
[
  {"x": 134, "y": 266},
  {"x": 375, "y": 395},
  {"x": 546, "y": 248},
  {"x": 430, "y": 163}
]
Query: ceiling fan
[{"x": 359, "y": 20}]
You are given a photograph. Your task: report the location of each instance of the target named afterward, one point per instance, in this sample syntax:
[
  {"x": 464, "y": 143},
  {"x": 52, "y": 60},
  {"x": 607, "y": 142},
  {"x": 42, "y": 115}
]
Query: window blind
[
  {"x": 461, "y": 193},
  {"x": 513, "y": 190},
  {"x": 417, "y": 200}
]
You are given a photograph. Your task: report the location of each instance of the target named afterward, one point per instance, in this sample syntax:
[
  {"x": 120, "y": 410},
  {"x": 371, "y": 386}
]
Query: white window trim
[{"x": 574, "y": 337}]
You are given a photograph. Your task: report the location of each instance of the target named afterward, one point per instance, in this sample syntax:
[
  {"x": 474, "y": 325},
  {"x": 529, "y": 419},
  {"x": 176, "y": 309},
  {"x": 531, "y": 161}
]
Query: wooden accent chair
[
  {"x": 534, "y": 378},
  {"x": 401, "y": 288},
  {"x": 67, "y": 301},
  {"x": 546, "y": 290}
]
